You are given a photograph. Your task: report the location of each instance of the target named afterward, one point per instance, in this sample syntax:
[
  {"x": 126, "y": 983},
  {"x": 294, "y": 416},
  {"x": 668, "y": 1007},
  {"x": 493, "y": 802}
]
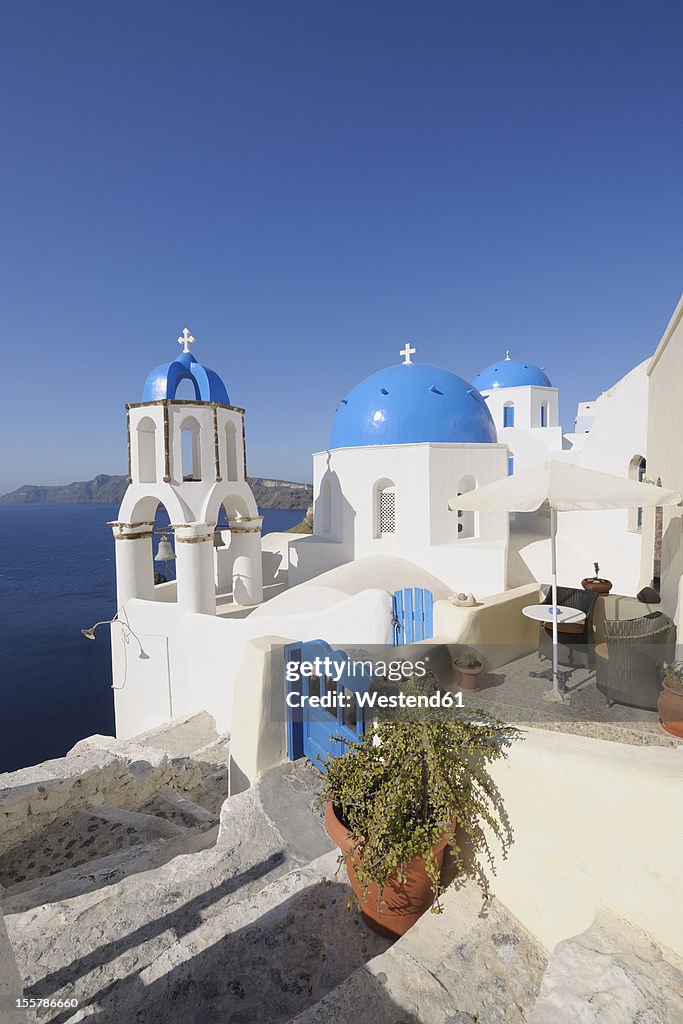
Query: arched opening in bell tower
[{"x": 190, "y": 441}]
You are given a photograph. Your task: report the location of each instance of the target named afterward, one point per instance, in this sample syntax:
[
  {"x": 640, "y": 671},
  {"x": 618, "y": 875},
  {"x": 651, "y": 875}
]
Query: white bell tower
[{"x": 189, "y": 456}]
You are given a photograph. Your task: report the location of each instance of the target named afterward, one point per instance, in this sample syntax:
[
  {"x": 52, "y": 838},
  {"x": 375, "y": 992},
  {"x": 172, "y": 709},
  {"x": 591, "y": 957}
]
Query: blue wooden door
[
  {"x": 318, "y": 733},
  {"x": 413, "y": 615}
]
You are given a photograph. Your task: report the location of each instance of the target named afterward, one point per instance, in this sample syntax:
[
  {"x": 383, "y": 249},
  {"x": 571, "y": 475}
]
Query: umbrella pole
[{"x": 553, "y": 556}]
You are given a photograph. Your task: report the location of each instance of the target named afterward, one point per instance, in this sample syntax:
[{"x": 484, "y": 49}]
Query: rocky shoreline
[{"x": 108, "y": 490}]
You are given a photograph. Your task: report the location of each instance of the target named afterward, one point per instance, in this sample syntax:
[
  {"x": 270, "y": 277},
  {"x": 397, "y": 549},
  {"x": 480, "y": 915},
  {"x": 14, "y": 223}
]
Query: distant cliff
[{"x": 108, "y": 490}]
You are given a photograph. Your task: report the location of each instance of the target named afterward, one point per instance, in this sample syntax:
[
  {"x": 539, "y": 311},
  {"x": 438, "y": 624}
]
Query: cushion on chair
[
  {"x": 575, "y": 628},
  {"x": 602, "y": 651}
]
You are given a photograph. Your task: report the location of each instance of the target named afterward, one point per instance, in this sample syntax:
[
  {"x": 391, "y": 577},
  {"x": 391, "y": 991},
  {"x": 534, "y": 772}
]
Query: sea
[{"x": 57, "y": 577}]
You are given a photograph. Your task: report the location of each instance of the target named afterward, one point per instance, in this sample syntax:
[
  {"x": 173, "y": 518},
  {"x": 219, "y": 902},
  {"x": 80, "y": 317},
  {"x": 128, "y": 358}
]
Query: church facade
[{"x": 198, "y": 586}]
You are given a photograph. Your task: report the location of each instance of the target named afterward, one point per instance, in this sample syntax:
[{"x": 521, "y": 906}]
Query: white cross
[
  {"x": 185, "y": 340},
  {"x": 407, "y": 352},
  {"x": 507, "y": 354}
]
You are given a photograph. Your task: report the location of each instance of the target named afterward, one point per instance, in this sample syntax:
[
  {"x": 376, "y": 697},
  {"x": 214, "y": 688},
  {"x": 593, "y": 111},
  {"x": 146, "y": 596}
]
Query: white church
[{"x": 402, "y": 442}]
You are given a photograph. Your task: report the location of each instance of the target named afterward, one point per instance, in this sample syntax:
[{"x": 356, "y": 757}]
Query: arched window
[
  {"x": 511, "y": 464},
  {"x": 637, "y": 469},
  {"x": 467, "y": 522},
  {"x": 326, "y": 505},
  {"x": 147, "y": 457},
  {"x": 190, "y": 436},
  {"x": 231, "y": 450},
  {"x": 509, "y": 414},
  {"x": 385, "y": 508},
  {"x": 544, "y": 414}
]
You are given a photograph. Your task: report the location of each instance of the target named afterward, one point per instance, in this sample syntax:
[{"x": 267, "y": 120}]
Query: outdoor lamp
[{"x": 89, "y": 634}]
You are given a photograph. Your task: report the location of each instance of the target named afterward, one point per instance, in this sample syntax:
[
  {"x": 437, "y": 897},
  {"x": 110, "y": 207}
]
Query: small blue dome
[
  {"x": 511, "y": 373},
  {"x": 412, "y": 404},
  {"x": 164, "y": 380}
]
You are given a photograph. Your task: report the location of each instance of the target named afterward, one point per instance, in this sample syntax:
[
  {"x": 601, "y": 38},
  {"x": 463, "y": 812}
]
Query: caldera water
[{"x": 56, "y": 578}]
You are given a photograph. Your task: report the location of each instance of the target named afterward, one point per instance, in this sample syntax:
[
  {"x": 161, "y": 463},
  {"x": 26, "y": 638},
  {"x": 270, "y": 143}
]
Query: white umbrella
[{"x": 562, "y": 487}]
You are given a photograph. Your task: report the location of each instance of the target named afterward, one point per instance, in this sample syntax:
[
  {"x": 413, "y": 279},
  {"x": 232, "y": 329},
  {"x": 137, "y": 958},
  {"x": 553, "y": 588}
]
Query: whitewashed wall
[
  {"x": 597, "y": 824},
  {"x": 619, "y": 433},
  {"x": 665, "y": 460},
  {"x": 425, "y": 477},
  {"x": 193, "y": 659}
]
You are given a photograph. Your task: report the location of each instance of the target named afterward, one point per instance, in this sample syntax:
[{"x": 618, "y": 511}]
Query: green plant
[
  {"x": 673, "y": 671},
  {"x": 467, "y": 660},
  {"x": 407, "y": 784}
]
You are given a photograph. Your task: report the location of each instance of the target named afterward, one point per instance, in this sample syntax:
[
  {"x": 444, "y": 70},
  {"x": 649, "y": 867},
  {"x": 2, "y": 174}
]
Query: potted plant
[
  {"x": 597, "y": 583},
  {"x": 670, "y": 703},
  {"x": 402, "y": 794},
  {"x": 468, "y": 668}
]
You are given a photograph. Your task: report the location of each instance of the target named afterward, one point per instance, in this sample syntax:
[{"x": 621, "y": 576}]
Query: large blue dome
[
  {"x": 511, "y": 373},
  {"x": 163, "y": 381},
  {"x": 412, "y": 404}
]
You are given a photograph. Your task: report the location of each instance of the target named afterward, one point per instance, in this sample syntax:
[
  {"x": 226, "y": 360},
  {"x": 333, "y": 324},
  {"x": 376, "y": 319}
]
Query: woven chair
[
  {"x": 628, "y": 667},
  {"x": 574, "y": 646}
]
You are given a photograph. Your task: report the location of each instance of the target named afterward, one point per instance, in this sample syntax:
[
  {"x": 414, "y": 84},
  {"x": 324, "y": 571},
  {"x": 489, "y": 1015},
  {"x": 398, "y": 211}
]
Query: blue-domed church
[{"x": 404, "y": 441}]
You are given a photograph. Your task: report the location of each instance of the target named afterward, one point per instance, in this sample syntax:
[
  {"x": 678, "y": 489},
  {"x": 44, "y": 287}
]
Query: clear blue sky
[{"x": 308, "y": 183}]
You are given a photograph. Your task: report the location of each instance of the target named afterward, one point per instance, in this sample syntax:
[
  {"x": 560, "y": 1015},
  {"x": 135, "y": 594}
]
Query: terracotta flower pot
[
  {"x": 402, "y": 903},
  {"x": 467, "y": 678},
  {"x": 597, "y": 586},
  {"x": 670, "y": 706}
]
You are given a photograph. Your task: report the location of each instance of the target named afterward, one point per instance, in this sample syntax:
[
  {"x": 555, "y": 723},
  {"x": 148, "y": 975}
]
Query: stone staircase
[{"x": 190, "y": 907}]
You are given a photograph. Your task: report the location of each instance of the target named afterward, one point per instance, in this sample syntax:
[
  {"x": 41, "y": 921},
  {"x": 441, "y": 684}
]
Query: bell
[
  {"x": 165, "y": 552},
  {"x": 218, "y": 541}
]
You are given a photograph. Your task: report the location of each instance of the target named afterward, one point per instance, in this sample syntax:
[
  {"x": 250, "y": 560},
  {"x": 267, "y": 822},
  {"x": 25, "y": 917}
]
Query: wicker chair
[
  {"x": 628, "y": 668},
  {"x": 574, "y": 646}
]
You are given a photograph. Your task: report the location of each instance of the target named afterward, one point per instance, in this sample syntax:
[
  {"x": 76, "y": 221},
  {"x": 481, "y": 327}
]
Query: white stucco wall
[
  {"x": 193, "y": 659},
  {"x": 665, "y": 460},
  {"x": 425, "y": 476},
  {"x": 619, "y": 432},
  {"x": 527, "y": 402},
  {"x": 597, "y": 824}
]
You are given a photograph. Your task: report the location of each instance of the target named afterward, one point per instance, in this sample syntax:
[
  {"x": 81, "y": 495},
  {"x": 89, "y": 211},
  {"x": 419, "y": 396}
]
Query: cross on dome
[
  {"x": 507, "y": 354},
  {"x": 407, "y": 352},
  {"x": 186, "y": 340}
]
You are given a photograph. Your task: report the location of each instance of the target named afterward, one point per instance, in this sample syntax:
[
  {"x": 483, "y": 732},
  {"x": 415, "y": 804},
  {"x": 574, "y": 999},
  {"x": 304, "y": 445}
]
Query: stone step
[
  {"x": 84, "y": 834},
  {"x": 83, "y": 944},
  {"x": 86, "y": 942},
  {"x": 458, "y": 967},
  {"x": 261, "y": 959},
  {"x": 95, "y": 770},
  {"x": 609, "y": 974},
  {"x": 103, "y": 871},
  {"x": 170, "y": 806},
  {"x": 181, "y": 736}
]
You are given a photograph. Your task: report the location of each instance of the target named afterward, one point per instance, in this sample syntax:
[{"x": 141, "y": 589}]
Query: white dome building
[
  {"x": 524, "y": 407},
  {"x": 404, "y": 441}
]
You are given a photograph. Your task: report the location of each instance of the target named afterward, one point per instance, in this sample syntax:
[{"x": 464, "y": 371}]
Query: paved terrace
[{"x": 514, "y": 693}]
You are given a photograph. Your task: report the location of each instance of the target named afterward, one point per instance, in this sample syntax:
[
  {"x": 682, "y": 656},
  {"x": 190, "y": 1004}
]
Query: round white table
[{"x": 560, "y": 613}]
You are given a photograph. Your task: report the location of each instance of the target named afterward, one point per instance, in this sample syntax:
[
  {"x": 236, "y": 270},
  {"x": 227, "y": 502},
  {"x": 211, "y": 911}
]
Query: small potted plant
[
  {"x": 670, "y": 703},
  {"x": 402, "y": 794},
  {"x": 596, "y": 583},
  {"x": 467, "y": 668}
]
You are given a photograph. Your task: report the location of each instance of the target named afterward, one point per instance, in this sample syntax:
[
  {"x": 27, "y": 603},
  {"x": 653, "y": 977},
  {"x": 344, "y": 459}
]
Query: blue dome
[
  {"x": 164, "y": 380},
  {"x": 412, "y": 404},
  {"x": 511, "y": 373}
]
